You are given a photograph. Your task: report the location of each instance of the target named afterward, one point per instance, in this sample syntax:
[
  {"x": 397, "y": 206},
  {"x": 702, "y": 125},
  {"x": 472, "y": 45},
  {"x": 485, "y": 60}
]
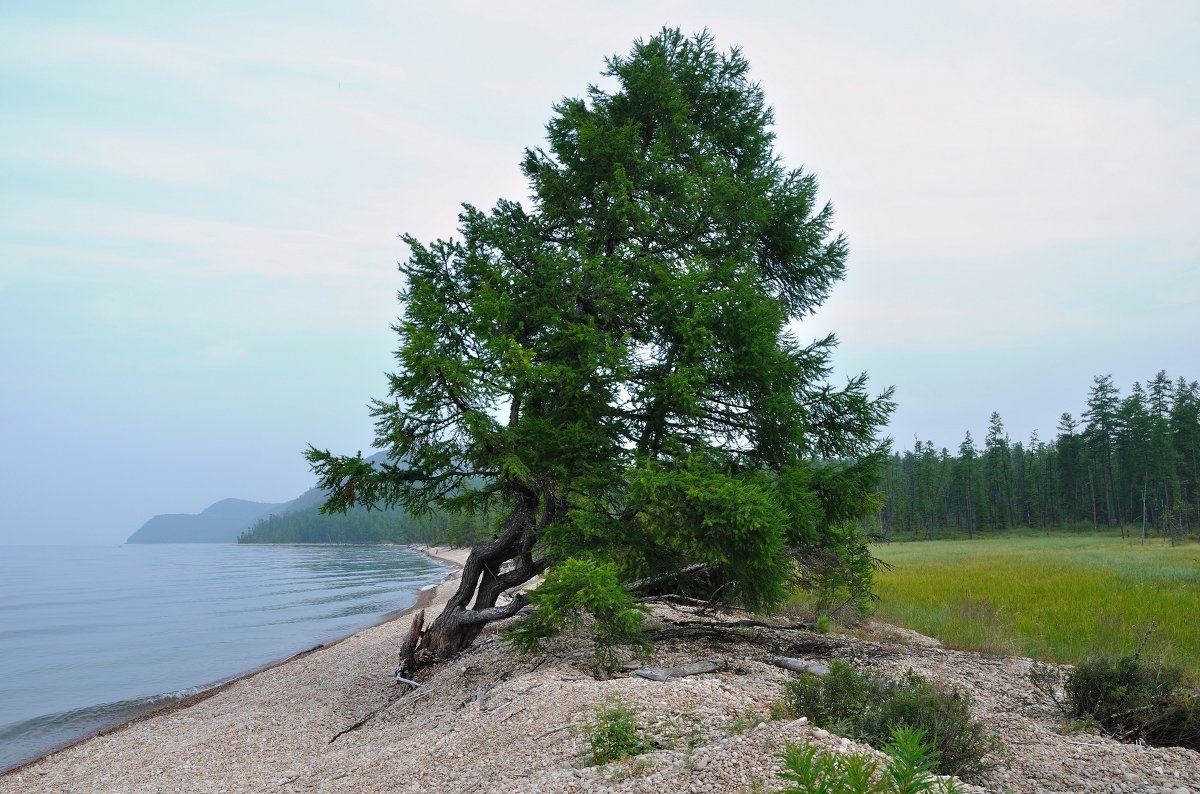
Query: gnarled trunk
[{"x": 473, "y": 604}]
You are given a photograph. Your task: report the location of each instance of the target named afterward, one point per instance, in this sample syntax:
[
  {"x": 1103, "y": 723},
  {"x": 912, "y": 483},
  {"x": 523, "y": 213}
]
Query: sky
[{"x": 200, "y": 207}]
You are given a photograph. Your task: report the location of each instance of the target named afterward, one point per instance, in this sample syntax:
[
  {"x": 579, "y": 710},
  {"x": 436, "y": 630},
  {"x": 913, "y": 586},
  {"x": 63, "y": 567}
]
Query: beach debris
[
  {"x": 819, "y": 669},
  {"x": 409, "y": 647},
  {"x": 672, "y": 673}
]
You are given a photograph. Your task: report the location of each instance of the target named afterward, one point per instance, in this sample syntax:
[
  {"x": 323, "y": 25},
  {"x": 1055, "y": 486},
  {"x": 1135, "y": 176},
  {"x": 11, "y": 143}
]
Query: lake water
[{"x": 93, "y": 635}]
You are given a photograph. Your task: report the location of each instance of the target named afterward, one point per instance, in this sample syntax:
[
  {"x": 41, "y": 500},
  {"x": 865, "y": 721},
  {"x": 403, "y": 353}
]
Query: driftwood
[
  {"x": 642, "y": 584},
  {"x": 745, "y": 623},
  {"x": 819, "y": 669},
  {"x": 409, "y": 647},
  {"x": 671, "y": 673}
]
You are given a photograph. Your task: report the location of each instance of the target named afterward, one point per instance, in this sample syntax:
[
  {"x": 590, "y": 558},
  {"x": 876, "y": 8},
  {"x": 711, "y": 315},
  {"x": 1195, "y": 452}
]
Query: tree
[
  {"x": 1100, "y": 436},
  {"x": 614, "y": 368},
  {"x": 997, "y": 468},
  {"x": 1070, "y": 454},
  {"x": 1185, "y": 440},
  {"x": 969, "y": 486}
]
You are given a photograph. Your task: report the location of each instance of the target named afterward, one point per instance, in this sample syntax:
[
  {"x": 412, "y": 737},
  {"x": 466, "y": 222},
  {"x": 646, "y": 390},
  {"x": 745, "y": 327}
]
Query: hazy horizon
[{"x": 200, "y": 210}]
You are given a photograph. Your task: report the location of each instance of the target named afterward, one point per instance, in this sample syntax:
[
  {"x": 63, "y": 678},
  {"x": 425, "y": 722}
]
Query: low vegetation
[
  {"x": 1126, "y": 698},
  {"x": 1062, "y": 597},
  {"x": 907, "y": 771},
  {"x": 871, "y": 709},
  {"x": 614, "y": 734},
  {"x": 575, "y": 589}
]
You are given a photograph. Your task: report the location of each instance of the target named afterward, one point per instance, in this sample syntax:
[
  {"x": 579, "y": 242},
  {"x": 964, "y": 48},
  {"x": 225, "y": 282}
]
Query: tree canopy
[{"x": 616, "y": 367}]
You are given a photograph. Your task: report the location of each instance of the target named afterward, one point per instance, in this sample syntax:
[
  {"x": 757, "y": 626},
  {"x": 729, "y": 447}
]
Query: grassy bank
[{"x": 1062, "y": 597}]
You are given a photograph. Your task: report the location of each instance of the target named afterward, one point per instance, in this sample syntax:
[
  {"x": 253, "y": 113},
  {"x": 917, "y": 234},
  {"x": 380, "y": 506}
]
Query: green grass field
[{"x": 1061, "y": 597}]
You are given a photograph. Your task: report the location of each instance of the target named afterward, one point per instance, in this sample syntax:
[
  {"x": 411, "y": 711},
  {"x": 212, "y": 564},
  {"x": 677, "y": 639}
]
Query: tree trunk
[
  {"x": 461, "y": 621},
  {"x": 1145, "y": 484},
  {"x": 970, "y": 514},
  {"x": 1092, "y": 488},
  {"x": 1108, "y": 497}
]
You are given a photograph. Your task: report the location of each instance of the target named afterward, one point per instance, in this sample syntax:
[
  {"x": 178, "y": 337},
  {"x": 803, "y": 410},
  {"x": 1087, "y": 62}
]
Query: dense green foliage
[
  {"x": 1131, "y": 462},
  {"x": 1133, "y": 699},
  {"x": 1079, "y": 595},
  {"x": 908, "y": 770},
  {"x": 615, "y": 367},
  {"x": 871, "y": 708},
  {"x": 577, "y": 588}
]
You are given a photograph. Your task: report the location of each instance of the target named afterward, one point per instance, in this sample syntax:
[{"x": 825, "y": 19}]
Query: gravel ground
[{"x": 496, "y": 720}]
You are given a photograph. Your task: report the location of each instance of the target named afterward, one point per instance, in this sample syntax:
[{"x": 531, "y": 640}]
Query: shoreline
[
  {"x": 426, "y": 597},
  {"x": 495, "y": 719}
]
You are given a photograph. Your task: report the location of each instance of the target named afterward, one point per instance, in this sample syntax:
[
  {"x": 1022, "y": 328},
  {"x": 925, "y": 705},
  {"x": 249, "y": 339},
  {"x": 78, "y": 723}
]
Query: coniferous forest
[
  {"x": 1130, "y": 462},
  {"x": 359, "y": 525}
]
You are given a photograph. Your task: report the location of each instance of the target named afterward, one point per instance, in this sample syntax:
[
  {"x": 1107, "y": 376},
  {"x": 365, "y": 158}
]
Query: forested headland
[
  {"x": 360, "y": 525},
  {"x": 1128, "y": 462}
]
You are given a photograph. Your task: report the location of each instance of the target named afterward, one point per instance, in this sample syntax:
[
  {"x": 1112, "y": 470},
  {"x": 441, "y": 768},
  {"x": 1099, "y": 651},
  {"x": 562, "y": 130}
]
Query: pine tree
[
  {"x": 1100, "y": 437},
  {"x": 997, "y": 470},
  {"x": 969, "y": 483},
  {"x": 1185, "y": 440},
  {"x": 613, "y": 367},
  {"x": 1070, "y": 456}
]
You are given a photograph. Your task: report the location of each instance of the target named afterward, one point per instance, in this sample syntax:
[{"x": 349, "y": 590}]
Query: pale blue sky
[{"x": 199, "y": 212}]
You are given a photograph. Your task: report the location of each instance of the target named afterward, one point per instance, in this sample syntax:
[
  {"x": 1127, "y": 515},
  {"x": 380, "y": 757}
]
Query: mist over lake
[{"x": 92, "y": 635}]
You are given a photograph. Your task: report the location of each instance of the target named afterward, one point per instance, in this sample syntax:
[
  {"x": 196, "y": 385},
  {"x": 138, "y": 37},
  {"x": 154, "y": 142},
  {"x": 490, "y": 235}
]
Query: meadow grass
[{"x": 1058, "y": 597}]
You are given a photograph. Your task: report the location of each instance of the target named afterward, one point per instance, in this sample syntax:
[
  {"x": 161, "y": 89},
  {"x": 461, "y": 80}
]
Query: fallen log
[
  {"x": 672, "y": 673},
  {"x": 819, "y": 669}
]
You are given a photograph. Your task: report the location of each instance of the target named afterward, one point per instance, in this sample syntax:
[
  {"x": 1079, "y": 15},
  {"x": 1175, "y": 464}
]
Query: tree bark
[{"x": 473, "y": 604}]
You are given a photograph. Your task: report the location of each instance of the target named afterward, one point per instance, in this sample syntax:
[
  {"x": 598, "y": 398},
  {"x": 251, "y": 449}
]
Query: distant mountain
[
  {"x": 223, "y": 521},
  {"x": 220, "y": 522}
]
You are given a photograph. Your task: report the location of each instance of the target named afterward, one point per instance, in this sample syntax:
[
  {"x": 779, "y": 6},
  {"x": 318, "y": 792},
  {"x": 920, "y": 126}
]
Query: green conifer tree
[{"x": 614, "y": 366}]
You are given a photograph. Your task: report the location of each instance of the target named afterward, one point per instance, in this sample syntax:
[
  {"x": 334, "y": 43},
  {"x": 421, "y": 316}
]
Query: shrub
[
  {"x": 573, "y": 589},
  {"x": 614, "y": 734},
  {"x": 871, "y": 708},
  {"x": 1129, "y": 698},
  {"x": 906, "y": 772}
]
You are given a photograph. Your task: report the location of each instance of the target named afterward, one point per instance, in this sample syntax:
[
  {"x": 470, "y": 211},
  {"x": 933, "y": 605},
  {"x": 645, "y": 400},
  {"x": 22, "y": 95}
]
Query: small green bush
[
  {"x": 1133, "y": 699},
  {"x": 614, "y": 734},
  {"x": 575, "y": 588},
  {"x": 871, "y": 708},
  {"x": 908, "y": 771}
]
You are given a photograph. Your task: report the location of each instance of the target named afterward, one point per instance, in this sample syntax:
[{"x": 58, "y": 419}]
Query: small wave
[{"x": 21, "y": 742}]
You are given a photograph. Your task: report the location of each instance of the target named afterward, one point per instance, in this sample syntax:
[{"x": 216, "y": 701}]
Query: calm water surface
[{"x": 92, "y": 635}]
